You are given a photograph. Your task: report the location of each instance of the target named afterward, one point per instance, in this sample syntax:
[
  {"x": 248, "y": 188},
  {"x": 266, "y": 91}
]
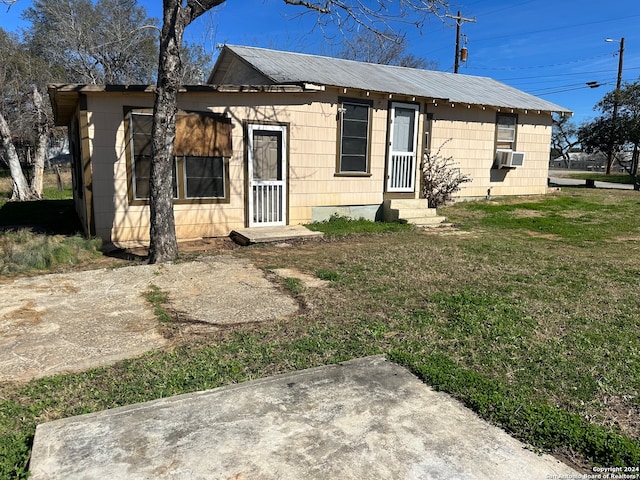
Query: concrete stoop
[{"x": 415, "y": 211}]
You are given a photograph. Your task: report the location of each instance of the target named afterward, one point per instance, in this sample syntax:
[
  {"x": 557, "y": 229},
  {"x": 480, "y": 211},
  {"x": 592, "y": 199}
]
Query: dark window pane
[
  {"x": 354, "y": 143},
  {"x": 142, "y": 169},
  {"x": 356, "y": 112},
  {"x": 142, "y": 122},
  {"x": 355, "y": 129},
  {"x": 205, "y": 187},
  {"x": 204, "y": 177},
  {"x": 354, "y": 146},
  {"x": 353, "y": 163},
  {"x": 141, "y": 129}
]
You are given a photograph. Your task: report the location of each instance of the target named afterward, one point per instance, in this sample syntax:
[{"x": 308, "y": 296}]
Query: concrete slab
[
  {"x": 70, "y": 322},
  {"x": 363, "y": 419},
  {"x": 247, "y": 236}
]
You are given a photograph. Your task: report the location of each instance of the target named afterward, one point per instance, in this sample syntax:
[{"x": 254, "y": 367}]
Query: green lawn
[
  {"x": 528, "y": 313},
  {"x": 603, "y": 177}
]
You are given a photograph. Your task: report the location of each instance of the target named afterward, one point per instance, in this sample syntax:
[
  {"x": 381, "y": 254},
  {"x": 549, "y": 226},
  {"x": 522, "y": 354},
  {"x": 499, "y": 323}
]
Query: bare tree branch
[
  {"x": 195, "y": 8},
  {"x": 8, "y": 3},
  {"x": 309, "y": 5}
]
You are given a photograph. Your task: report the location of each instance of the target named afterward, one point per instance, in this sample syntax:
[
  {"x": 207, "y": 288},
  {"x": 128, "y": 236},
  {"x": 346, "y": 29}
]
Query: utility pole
[
  {"x": 616, "y": 94},
  {"x": 459, "y": 19}
]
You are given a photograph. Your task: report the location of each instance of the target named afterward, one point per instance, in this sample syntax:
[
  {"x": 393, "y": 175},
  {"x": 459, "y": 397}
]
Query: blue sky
[{"x": 544, "y": 47}]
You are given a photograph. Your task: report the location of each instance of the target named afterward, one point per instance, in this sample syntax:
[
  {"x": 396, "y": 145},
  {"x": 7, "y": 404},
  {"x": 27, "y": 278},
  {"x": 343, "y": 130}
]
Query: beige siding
[
  {"x": 311, "y": 119},
  {"x": 469, "y": 134}
]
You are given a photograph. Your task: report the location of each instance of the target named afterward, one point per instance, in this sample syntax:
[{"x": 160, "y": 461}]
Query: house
[{"x": 279, "y": 138}]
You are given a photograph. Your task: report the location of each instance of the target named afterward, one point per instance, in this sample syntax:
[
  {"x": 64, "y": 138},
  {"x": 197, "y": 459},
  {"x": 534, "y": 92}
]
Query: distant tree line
[{"x": 617, "y": 136}]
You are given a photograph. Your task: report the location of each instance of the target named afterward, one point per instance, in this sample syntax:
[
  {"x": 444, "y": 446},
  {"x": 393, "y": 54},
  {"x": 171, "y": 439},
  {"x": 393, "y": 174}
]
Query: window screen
[
  {"x": 354, "y": 143},
  {"x": 506, "y": 134}
]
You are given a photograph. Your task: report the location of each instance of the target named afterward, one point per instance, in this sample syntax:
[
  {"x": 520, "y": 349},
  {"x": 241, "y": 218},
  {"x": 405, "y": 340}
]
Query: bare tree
[
  {"x": 346, "y": 15},
  {"x": 110, "y": 41},
  {"x": 384, "y": 48},
  {"x": 24, "y": 116}
]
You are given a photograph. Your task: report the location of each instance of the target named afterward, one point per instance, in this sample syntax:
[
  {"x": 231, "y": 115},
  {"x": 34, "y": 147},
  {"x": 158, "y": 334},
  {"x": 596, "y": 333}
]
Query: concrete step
[
  {"x": 414, "y": 211},
  {"x": 402, "y": 203}
]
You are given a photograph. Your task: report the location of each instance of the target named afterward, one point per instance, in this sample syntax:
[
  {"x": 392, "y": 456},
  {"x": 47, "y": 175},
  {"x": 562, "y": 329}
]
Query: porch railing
[
  {"x": 268, "y": 203},
  {"x": 402, "y": 173}
]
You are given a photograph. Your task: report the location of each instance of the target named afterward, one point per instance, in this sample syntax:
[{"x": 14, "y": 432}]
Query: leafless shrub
[{"x": 440, "y": 177}]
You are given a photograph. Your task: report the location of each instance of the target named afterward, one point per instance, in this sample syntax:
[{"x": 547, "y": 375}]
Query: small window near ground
[{"x": 354, "y": 137}]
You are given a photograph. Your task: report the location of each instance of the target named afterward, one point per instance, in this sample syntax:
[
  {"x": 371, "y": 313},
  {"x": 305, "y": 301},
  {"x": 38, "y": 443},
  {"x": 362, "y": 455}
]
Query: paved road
[
  {"x": 560, "y": 182},
  {"x": 556, "y": 179}
]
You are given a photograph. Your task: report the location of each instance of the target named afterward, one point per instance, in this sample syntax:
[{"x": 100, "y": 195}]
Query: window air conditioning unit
[{"x": 509, "y": 159}]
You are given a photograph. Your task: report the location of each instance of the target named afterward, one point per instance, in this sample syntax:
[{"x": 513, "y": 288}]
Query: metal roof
[{"x": 287, "y": 68}]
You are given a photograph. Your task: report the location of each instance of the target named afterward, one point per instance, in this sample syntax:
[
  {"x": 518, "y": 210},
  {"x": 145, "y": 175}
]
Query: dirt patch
[
  {"x": 526, "y": 213},
  {"x": 622, "y": 413},
  {"x": 549, "y": 236}
]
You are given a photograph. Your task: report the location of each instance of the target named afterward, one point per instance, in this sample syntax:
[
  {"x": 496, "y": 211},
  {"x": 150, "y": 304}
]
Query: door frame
[
  {"x": 283, "y": 182},
  {"x": 411, "y": 173}
]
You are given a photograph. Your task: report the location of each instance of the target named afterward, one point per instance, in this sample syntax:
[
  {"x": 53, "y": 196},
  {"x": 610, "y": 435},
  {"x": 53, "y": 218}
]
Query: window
[
  {"x": 202, "y": 148},
  {"x": 354, "y": 136},
  {"x": 427, "y": 132},
  {"x": 506, "y": 132},
  {"x": 140, "y": 125},
  {"x": 204, "y": 177}
]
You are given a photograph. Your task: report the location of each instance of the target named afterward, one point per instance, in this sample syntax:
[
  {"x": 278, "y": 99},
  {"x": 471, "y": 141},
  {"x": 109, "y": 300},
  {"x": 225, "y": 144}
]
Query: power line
[
  {"x": 566, "y": 90},
  {"x": 568, "y": 74},
  {"x": 544, "y": 66},
  {"x": 559, "y": 28}
]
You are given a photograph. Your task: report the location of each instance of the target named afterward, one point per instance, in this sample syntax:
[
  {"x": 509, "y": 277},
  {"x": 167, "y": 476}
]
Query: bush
[{"x": 440, "y": 178}]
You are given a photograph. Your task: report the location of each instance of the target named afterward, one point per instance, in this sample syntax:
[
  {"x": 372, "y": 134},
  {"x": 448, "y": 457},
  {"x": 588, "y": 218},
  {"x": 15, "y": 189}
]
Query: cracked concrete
[{"x": 68, "y": 322}]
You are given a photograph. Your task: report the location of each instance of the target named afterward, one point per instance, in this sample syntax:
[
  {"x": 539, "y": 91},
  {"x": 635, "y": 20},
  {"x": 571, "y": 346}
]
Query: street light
[{"x": 614, "y": 116}]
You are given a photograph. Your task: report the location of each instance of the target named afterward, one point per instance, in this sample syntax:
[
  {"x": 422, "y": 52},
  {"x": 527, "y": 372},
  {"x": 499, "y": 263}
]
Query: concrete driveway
[{"x": 70, "y": 322}]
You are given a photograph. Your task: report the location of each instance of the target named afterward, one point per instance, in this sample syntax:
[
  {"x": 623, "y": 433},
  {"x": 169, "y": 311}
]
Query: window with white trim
[{"x": 506, "y": 131}]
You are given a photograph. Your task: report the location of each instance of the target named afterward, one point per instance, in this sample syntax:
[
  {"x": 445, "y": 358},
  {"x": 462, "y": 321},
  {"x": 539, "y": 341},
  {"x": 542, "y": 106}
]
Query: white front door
[
  {"x": 402, "y": 156},
  {"x": 267, "y": 175}
]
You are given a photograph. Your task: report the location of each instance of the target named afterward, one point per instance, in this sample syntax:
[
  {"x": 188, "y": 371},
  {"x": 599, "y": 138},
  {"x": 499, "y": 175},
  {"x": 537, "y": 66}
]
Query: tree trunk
[
  {"x": 41, "y": 145},
  {"x": 21, "y": 190},
  {"x": 163, "y": 243}
]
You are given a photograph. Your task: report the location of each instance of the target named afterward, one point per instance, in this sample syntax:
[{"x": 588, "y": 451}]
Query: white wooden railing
[
  {"x": 401, "y": 173},
  {"x": 268, "y": 203}
]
